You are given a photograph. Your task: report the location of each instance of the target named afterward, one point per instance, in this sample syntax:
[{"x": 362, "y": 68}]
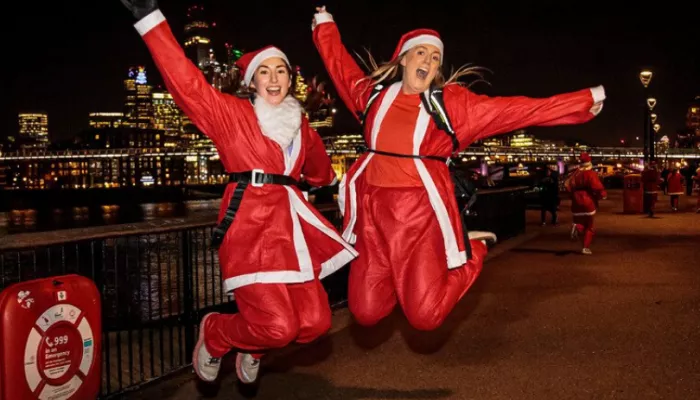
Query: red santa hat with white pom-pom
[
  {"x": 249, "y": 62},
  {"x": 419, "y": 37}
]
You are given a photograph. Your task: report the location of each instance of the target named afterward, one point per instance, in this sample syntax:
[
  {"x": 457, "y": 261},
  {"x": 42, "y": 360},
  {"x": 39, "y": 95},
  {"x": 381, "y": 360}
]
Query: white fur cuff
[
  {"x": 322, "y": 18},
  {"x": 149, "y": 22}
]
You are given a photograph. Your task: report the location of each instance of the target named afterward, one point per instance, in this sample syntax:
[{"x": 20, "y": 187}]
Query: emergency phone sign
[{"x": 50, "y": 348}]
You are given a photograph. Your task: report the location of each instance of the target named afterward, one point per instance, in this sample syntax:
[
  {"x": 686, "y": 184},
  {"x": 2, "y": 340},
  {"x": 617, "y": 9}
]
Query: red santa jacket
[
  {"x": 473, "y": 116},
  {"x": 277, "y": 236},
  {"x": 675, "y": 186},
  {"x": 651, "y": 179},
  {"x": 586, "y": 189}
]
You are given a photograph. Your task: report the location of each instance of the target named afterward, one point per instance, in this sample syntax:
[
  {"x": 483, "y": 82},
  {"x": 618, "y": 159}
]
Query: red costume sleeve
[
  {"x": 475, "y": 117},
  {"x": 206, "y": 106},
  {"x": 597, "y": 186},
  {"x": 342, "y": 68},
  {"x": 317, "y": 168}
]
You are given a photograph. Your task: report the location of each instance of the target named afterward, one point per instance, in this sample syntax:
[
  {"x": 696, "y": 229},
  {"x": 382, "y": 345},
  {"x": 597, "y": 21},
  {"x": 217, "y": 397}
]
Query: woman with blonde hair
[{"x": 398, "y": 199}]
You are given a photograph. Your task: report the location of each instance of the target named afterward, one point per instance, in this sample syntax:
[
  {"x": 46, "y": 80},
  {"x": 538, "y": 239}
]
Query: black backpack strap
[
  {"x": 435, "y": 105},
  {"x": 376, "y": 90}
]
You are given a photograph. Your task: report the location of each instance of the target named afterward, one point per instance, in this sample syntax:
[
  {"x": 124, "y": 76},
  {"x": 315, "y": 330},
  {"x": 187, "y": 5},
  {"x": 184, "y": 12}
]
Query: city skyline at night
[{"x": 534, "y": 50}]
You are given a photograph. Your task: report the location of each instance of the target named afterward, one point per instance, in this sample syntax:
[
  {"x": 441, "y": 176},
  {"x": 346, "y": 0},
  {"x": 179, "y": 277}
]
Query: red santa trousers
[
  {"x": 270, "y": 315},
  {"x": 584, "y": 226},
  {"x": 402, "y": 258}
]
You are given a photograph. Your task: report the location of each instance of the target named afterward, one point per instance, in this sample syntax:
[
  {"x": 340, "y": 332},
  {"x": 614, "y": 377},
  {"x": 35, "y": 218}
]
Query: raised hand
[
  {"x": 140, "y": 8},
  {"x": 319, "y": 10}
]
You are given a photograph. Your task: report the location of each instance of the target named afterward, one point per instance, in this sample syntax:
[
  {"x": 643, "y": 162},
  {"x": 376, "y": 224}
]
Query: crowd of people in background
[{"x": 585, "y": 188}]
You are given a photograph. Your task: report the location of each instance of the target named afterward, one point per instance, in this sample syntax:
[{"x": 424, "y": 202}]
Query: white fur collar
[{"x": 280, "y": 123}]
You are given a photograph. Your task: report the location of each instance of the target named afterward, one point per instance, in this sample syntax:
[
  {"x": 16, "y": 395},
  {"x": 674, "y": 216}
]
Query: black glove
[{"x": 141, "y": 8}]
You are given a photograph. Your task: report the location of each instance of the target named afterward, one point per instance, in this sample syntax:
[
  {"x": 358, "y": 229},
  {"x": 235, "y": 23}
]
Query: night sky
[{"x": 70, "y": 58}]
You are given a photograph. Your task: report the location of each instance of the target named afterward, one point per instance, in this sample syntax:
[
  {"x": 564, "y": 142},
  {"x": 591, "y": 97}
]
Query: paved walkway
[{"x": 541, "y": 322}]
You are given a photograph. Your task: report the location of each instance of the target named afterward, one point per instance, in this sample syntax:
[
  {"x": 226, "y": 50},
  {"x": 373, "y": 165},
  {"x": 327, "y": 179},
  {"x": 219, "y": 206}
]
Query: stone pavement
[{"x": 541, "y": 322}]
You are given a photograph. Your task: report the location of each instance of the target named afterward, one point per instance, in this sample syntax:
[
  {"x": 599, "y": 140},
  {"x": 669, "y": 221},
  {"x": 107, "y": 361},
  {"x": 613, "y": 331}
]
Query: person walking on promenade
[
  {"x": 675, "y": 187},
  {"x": 549, "y": 196},
  {"x": 651, "y": 179},
  {"x": 586, "y": 190},
  {"x": 274, "y": 246},
  {"x": 398, "y": 199}
]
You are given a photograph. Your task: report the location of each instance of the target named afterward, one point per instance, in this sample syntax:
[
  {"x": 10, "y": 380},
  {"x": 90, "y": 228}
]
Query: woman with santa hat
[
  {"x": 586, "y": 189},
  {"x": 398, "y": 198},
  {"x": 274, "y": 246}
]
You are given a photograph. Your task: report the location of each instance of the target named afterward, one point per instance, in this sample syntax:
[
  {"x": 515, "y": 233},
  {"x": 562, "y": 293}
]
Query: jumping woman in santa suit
[
  {"x": 274, "y": 246},
  {"x": 398, "y": 198}
]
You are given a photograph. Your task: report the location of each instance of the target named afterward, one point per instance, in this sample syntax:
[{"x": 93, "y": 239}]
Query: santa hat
[
  {"x": 416, "y": 38},
  {"x": 585, "y": 158},
  {"x": 249, "y": 62}
]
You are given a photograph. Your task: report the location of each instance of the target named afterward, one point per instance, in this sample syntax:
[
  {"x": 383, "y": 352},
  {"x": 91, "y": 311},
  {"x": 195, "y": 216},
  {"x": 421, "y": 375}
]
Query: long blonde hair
[{"x": 387, "y": 72}]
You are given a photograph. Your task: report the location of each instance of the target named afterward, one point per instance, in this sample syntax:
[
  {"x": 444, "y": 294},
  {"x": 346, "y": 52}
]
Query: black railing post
[{"x": 189, "y": 314}]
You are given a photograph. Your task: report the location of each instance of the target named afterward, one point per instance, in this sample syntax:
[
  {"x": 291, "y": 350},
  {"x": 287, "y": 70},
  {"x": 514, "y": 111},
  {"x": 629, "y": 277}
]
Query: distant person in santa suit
[
  {"x": 675, "y": 187},
  {"x": 586, "y": 190},
  {"x": 274, "y": 246},
  {"x": 398, "y": 198}
]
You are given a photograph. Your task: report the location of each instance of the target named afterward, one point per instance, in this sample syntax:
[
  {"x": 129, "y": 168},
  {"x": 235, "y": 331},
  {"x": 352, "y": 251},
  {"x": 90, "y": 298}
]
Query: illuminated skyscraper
[
  {"x": 692, "y": 118},
  {"x": 34, "y": 130},
  {"x": 197, "y": 36},
  {"x": 138, "y": 107},
  {"x": 106, "y": 119},
  {"x": 167, "y": 117}
]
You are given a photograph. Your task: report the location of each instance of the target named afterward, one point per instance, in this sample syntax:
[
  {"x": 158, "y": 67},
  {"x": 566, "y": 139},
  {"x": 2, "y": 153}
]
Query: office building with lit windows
[
  {"x": 105, "y": 119},
  {"x": 33, "y": 130},
  {"x": 167, "y": 117},
  {"x": 138, "y": 104}
]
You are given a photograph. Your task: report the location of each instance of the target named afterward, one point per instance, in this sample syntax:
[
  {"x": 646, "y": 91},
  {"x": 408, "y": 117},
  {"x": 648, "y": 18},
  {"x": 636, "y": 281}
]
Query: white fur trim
[
  {"x": 455, "y": 257},
  {"x": 598, "y": 94},
  {"x": 582, "y": 214},
  {"x": 348, "y": 232},
  {"x": 322, "y": 18},
  {"x": 339, "y": 259},
  {"x": 424, "y": 39},
  {"x": 341, "y": 194},
  {"x": 259, "y": 58},
  {"x": 149, "y": 22},
  {"x": 281, "y": 122}
]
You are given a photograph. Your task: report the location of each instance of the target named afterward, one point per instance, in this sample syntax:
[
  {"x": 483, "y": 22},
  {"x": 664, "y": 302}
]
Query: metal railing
[{"x": 157, "y": 279}]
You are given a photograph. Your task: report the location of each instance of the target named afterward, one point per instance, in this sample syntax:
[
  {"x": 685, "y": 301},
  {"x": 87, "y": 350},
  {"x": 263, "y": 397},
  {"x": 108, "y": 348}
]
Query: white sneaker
[
  {"x": 487, "y": 238},
  {"x": 247, "y": 367},
  {"x": 205, "y": 366},
  {"x": 574, "y": 232},
  {"x": 586, "y": 251}
]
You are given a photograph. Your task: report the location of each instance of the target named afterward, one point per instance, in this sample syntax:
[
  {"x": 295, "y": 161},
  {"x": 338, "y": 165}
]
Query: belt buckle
[{"x": 253, "y": 175}]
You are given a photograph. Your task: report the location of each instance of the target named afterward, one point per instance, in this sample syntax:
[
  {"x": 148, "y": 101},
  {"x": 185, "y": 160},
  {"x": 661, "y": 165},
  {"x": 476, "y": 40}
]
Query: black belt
[
  {"x": 465, "y": 231},
  {"x": 257, "y": 177},
  {"x": 386, "y": 153},
  {"x": 254, "y": 178}
]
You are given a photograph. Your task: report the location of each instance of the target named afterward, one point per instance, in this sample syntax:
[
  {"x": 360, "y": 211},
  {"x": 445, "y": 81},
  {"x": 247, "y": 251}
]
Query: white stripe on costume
[
  {"x": 455, "y": 258},
  {"x": 388, "y": 98},
  {"x": 338, "y": 260},
  {"x": 581, "y": 214}
]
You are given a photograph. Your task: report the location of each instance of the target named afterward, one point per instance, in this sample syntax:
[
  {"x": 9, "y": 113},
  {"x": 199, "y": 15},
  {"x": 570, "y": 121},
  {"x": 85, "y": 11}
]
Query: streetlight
[
  {"x": 657, "y": 127},
  {"x": 651, "y": 102},
  {"x": 645, "y": 77}
]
